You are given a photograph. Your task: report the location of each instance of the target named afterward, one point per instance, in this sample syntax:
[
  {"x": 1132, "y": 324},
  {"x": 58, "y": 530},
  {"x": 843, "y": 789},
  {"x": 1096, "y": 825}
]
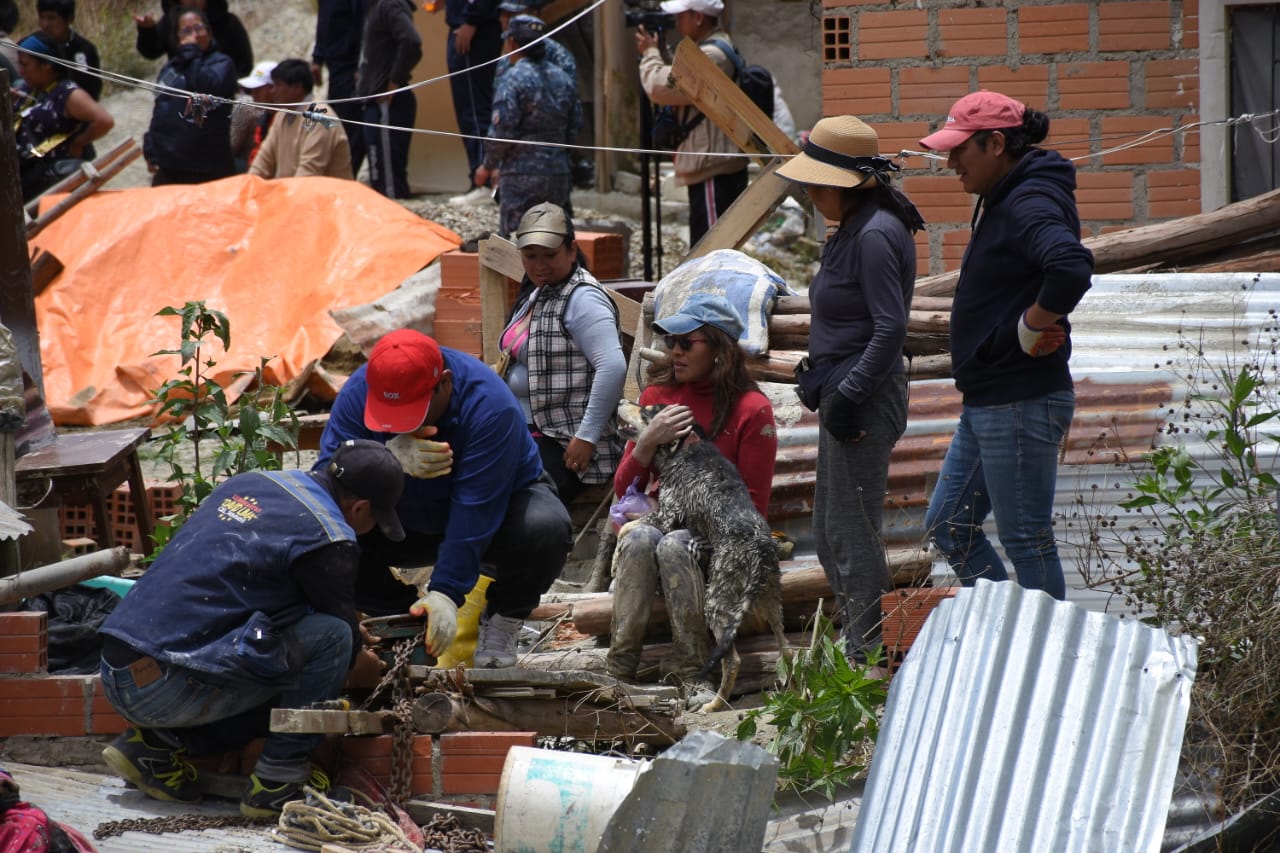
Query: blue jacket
[
  {"x": 220, "y": 595},
  {"x": 1025, "y": 248},
  {"x": 493, "y": 457},
  {"x": 175, "y": 141}
]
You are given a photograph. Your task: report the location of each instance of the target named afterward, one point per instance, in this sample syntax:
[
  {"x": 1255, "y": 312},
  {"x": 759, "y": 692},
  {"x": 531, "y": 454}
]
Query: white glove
[
  {"x": 442, "y": 620},
  {"x": 420, "y": 457},
  {"x": 1038, "y": 342}
]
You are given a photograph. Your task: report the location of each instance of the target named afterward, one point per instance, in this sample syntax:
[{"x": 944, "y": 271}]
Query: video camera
[{"x": 652, "y": 19}]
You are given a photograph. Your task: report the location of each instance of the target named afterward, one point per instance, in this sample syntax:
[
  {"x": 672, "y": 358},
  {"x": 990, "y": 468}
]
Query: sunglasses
[{"x": 684, "y": 342}]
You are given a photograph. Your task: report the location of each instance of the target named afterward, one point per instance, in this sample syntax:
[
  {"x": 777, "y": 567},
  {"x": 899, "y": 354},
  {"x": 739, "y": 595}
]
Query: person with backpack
[{"x": 714, "y": 182}]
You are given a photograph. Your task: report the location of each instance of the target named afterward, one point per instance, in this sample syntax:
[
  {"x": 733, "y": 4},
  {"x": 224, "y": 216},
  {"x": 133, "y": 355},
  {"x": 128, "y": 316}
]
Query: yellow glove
[
  {"x": 442, "y": 620},
  {"x": 420, "y": 457}
]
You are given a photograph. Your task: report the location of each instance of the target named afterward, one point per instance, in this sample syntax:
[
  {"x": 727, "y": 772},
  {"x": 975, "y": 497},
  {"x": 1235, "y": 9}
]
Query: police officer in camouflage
[{"x": 536, "y": 101}]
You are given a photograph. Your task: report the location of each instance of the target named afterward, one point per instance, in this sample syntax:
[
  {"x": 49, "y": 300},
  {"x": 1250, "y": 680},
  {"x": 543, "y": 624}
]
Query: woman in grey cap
[
  {"x": 856, "y": 381},
  {"x": 562, "y": 355},
  {"x": 704, "y": 382}
]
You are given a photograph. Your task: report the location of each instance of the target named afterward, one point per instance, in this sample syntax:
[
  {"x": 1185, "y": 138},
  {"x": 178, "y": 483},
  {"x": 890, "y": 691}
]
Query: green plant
[
  {"x": 825, "y": 714},
  {"x": 242, "y": 436},
  {"x": 1199, "y": 554}
]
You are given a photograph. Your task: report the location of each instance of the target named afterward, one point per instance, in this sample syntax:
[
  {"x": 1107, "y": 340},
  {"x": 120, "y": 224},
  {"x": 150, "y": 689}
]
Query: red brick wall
[{"x": 1106, "y": 72}]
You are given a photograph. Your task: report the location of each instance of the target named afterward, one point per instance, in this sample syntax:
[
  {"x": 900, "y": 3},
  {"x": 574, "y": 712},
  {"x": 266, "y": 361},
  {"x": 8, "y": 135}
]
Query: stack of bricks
[
  {"x": 903, "y": 613},
  {"x": 1106, "y": 72},
  {"x": 80, "y": 530},
  {"x": 33, "y": 702},
  {"x": 457, "y": 311}
]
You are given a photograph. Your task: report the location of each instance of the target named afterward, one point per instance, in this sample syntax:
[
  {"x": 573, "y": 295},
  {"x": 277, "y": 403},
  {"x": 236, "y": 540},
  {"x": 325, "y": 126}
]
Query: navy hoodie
[{"x": 1025, "y": 248}]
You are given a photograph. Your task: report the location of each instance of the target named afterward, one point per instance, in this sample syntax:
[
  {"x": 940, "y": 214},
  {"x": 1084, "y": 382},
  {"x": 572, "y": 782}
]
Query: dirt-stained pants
[{"x": 645, "y": 561}]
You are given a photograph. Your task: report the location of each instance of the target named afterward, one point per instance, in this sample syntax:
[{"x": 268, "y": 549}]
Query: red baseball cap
[
  {"x": 404, "y": 370},
  {"x": 981, "y": 110}
]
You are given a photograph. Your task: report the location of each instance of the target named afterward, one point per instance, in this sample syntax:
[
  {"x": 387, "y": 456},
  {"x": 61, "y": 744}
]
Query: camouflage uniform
[{"x": 535, "y": 101}]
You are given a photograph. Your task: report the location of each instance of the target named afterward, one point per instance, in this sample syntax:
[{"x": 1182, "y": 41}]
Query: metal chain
[
  {"x": 445, "y": 832},
  {"x": 177, "y": 823},
  {"x": 402, "y": 742},
  {"x": 397, "y": 679}
]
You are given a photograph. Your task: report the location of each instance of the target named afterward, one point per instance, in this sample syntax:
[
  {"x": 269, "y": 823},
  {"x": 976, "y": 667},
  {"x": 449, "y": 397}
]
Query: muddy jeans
[{"x": 645, "y": 560}]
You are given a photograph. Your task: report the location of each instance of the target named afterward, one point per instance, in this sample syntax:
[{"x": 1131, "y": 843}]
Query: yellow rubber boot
[{"x": 463, "y": 649}]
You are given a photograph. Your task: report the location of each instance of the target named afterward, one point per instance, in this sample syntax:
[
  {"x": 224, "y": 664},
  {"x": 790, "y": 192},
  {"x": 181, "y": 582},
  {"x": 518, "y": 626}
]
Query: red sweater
[{"x": 749, "y": 439}]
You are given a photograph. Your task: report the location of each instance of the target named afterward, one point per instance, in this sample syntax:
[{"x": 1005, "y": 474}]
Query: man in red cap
[{"x": 475, "y": 495}]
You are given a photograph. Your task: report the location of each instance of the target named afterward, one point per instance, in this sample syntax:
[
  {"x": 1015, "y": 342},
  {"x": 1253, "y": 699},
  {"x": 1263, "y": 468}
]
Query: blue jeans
[
  {"x": 207, "y": 714},
  {"x": 1003, "y": 459}
]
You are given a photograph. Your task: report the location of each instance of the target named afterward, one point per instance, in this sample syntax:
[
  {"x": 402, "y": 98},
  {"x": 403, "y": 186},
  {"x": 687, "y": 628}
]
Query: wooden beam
[
  {"x": 724, "y": 103},
  {"x": 1163, "y": 242},
  {"x": 499, "y": 261}
]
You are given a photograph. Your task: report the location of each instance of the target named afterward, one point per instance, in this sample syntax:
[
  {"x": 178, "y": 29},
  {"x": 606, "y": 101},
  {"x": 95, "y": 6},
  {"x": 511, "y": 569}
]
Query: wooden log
[
  {"x": 802, "y": 586},
  {"x": 1163, "y": 242},
  {"x": 77, "y": 178},
  {"x": 758, "y": 671},
  {"x": 785, "y": 305},
  {"x": 436, "y": 713}
]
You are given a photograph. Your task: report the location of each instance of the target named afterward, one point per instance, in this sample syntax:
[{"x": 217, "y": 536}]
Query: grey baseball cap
[{"x": 544, "y": 225}]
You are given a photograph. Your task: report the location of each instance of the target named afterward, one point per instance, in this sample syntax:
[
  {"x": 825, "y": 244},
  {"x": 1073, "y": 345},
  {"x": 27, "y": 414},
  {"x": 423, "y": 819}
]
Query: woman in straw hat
[
  {"x": 1024, "y": 270},
  {"x": 854, "y": 375}
]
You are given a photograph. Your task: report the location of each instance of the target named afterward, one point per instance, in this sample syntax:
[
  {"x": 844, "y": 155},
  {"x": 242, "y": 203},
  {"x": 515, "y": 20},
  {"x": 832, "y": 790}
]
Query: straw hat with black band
[{"x": 842, "y": 151}]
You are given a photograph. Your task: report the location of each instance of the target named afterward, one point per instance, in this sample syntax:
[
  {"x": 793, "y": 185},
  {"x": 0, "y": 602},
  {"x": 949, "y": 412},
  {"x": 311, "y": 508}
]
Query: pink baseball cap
[
  {"x": 981, "y": 110},
  {"x": 404, "y": 370}
]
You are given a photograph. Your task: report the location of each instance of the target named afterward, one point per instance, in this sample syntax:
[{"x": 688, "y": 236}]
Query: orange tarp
[{"x": 274, "y": 256}]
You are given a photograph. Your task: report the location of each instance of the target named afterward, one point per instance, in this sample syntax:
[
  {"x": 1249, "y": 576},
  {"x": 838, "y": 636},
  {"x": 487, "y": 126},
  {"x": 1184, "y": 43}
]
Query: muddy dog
[{"x": 702, "y": 492}]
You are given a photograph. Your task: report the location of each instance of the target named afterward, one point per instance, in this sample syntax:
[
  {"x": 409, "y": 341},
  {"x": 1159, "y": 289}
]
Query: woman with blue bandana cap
[{"x": 54, "y": 119}]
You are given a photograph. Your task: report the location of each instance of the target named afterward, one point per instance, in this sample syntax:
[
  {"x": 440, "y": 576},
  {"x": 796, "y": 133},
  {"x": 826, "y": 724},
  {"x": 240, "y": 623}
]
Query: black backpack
[{"x": 754, "y": 80}]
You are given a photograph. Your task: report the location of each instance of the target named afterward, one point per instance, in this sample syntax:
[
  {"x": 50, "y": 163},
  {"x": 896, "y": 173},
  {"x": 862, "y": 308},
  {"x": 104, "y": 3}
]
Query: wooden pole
[{"x": 17, "y": 303}]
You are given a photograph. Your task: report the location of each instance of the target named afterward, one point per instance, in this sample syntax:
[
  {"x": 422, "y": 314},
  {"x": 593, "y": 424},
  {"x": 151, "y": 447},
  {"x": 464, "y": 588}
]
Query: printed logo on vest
[{"x": 239, "y": 509}]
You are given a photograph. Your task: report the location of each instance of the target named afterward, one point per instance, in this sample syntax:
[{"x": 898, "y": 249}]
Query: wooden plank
[
  {"x": 723, "y": 102},
  {"x": 499, "y": 261},
  {"x": 744, "y": 216},
  {"x": 44, "y": 269},
  {"x": 311, "y": 721}
]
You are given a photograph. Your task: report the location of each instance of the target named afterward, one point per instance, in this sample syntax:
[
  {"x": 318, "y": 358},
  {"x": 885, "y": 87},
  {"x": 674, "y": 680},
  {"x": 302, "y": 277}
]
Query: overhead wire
[{"x": 1270, "y": 135}]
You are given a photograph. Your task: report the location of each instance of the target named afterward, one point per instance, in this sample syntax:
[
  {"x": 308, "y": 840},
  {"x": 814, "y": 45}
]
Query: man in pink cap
[
  {"x": 1023, "y": 272},
  {"x": 475, "y": 495}
]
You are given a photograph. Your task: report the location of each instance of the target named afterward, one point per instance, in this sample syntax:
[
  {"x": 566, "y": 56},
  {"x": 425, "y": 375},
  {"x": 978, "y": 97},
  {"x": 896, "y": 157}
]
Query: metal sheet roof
[{"x": 1018, "y": 723}]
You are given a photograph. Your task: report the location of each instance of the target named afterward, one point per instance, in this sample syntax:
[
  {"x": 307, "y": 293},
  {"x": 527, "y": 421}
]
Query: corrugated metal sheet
[{"x": 1018, "y": 723}]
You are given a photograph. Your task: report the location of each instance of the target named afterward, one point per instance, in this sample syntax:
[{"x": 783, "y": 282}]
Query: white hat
[
  {"x": 260, "y": 76},
  {"x": 711, "y": 8}
]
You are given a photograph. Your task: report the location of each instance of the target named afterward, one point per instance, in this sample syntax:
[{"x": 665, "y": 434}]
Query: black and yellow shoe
[
  {"x": 157, "y": 771},
  {"x": 266, "y": 797}
]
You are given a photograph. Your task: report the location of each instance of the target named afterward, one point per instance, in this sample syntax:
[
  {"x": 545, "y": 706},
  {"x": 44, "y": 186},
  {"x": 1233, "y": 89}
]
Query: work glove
[
  {"x": 420, "y": 457},
  {"x": 841, "y": 416},
  {"x": 442, "y": 620},
  {"x": 1040, "y": 342}
]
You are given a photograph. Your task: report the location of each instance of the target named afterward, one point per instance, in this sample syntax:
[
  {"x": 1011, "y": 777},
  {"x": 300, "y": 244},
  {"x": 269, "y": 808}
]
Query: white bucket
[{"x": 558, "y": 801}]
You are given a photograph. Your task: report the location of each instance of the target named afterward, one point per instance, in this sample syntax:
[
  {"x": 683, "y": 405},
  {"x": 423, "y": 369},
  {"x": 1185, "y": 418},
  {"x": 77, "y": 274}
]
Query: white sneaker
[
  {"x": 496, "y": 646},
  {"x": 476, "y": 196}
]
